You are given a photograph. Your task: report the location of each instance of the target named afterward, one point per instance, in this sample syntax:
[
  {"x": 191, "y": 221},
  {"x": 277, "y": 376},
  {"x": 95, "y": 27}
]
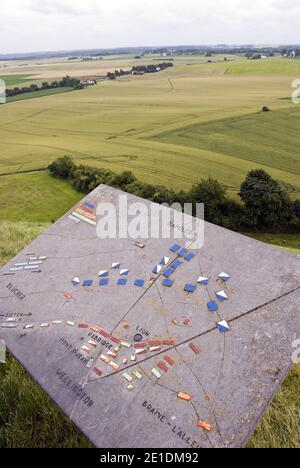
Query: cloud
[
  {"x": 71, "y": 24},
  {"x": 64, "y": 7},
  {"x": 286, "y": 5}
]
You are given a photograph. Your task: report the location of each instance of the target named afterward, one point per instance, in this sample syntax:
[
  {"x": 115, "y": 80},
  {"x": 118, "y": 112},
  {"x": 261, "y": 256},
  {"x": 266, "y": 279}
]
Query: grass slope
[
  {"x": 28, "y": 418},
  {"x": 253, "y": 139},
  {"x": 35, "y": 197},
  {"x": 280, "y": 427},
  {"x": 289, "y": 242}
]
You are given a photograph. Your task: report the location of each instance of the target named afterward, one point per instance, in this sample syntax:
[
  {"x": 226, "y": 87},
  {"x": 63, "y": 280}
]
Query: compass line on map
[
  {"x": 176, "y": 392},
  {"x": 92, "y": 254},
  {"x": 191, "y": 371},
  {"x": 224, "y": 339}
]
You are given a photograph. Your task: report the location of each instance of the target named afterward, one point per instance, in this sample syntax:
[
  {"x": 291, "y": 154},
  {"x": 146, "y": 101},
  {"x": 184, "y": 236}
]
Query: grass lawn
[
  {"x": 37, "y": 94},
  {"x": 280, "y": 428},
  {"x": 35, "y": 197},
  {"x": 290, "y": 242}
]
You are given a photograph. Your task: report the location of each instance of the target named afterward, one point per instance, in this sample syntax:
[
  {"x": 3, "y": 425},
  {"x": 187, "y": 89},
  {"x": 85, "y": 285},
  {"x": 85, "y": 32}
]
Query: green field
[
  {"x": 275, "y": 66},
  {"x": 172, "y": 128},
  {"x": 35, "y": 197},
  {"x": 243, "y": 141},
  {"x": 37, "y": 94},
  {"x": 15, "y": 80}
]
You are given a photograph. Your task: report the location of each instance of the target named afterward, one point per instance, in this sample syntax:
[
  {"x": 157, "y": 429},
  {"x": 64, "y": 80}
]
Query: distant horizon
[{"x": 149, "y": 47}]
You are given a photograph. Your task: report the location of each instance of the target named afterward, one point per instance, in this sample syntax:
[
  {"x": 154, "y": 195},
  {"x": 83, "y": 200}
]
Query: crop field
[
  {"x": 16, "y": 80},
  {"x": 253, "y": 139},
  {"x": 191, "y": 121}
]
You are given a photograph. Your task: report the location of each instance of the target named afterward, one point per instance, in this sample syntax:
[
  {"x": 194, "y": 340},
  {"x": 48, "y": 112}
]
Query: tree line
[
  {"x": 263, "y": 205},
  {"x": 140, "y": 69},
  {"x": 66, "y": 82}
]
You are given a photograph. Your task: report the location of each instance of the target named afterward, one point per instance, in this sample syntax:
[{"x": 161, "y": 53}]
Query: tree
[
  {"x": 266, "y": 203},
  {"x": 111, "y": 76},
  {"x": 124, "y": 179},
  {"x": 62, "y": 167},
  {"x": 213, "y": 195},
  {"x": 233, "y": 214},
  {"x": 297, "y": 208},
  {"x": 296, "y": 216}
]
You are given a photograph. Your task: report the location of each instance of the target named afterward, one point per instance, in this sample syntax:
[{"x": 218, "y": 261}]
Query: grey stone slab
[{"x": 232, "y": 379}]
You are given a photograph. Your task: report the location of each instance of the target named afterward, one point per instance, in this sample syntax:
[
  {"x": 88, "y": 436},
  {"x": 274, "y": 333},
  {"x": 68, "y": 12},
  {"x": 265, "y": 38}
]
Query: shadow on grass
[{"x": 28, "y": 418}]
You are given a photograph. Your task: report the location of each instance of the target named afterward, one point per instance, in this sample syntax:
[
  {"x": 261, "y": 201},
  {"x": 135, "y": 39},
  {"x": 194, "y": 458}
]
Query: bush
[
  {"x": 233, "y": 215},
  {"x": 67, "y": 81},
  {"x": 124, "y": 179},
  {"x": 213, "y": 195},
  {"x": 266, "y": 206},
  {"x": 62, "y": 167}
]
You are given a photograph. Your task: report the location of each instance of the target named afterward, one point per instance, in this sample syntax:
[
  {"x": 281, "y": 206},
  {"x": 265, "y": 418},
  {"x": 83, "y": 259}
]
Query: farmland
[
  {"x": 40, "y": 93},
  {"x": 172, "y": 128}
]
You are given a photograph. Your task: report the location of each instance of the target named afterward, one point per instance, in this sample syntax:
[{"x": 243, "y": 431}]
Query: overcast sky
[{"x": 38, "y": 25}]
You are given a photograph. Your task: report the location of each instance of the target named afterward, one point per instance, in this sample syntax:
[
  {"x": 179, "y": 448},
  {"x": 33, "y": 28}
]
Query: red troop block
[
  {"x": 155, "y": 343},
  {"x": 195, "y": 348},
  {"x": 169, "y": 360},
  {"x": 168, "y": 342},
  {"x": 97, "y": 371},
  {"x": 115, "y": 340},
  {"x": 142, "y": 351},
  {"x": 162, "y": 366}
]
